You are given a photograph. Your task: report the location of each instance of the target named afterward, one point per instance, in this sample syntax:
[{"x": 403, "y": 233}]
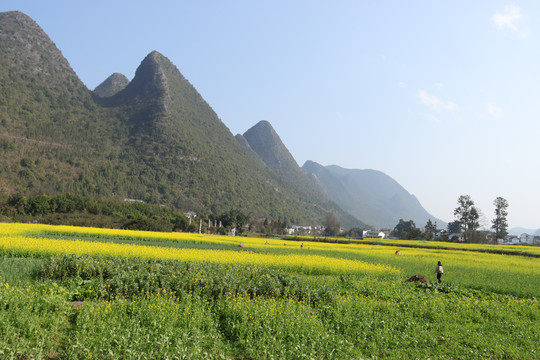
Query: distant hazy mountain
[
  {"x": 154, "y": 138},
  {"x": 370, "y": 195},
  {"x": 112, "y": 85}
]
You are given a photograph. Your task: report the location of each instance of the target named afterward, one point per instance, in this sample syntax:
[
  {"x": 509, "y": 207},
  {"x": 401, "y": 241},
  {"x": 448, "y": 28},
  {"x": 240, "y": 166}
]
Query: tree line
[
  {"x": 78, "y": 210},
  {"x": 465, "y": 226}
]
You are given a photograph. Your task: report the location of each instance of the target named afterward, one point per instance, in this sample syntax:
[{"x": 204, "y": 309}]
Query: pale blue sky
[{"x": 443, "y": 96}]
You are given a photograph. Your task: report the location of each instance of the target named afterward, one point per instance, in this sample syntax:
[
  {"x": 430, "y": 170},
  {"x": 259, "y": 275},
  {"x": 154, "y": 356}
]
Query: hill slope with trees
[{"x": 156, "y": 139}]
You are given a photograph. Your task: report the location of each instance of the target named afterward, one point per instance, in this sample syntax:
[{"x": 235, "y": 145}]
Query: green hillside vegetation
[
  {"x": 156, "y": 140},
  {"x": 77, "y": 210}
]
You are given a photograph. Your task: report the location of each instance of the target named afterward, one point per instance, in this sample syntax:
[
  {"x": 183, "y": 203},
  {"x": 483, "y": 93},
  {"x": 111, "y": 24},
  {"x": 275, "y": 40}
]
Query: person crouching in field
[{"x": 439, "y": 271}]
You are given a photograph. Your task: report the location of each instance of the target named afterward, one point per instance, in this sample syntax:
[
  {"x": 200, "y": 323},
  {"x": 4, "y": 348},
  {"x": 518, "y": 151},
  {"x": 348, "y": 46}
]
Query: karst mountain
[{"x": 154, "y": 139}]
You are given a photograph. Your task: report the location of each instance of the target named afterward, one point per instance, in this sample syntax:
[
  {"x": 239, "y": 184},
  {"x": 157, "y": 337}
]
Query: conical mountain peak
[
  {"x": 150, "y": 79},
  {"x": 264, "y": 140},
  {"x": 40, "y": 86},
  {"x": 26, "y": 46},
  {"x": 112, "y": 85}
]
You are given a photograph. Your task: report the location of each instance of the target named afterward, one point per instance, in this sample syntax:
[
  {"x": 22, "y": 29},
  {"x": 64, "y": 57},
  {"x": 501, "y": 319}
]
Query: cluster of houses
[
  {"x": 523, "y": 239},
  {"x": 305, "y": 230},
  {"x": 319, "y": 229},
  {"x": 374, "y": 234}
]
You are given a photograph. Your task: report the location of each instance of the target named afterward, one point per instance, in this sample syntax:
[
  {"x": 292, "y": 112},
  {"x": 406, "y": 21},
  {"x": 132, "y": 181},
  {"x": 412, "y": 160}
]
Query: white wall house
[
  {"x": 295, "y": 229},
  {"x": 371, "y": 234},
  {"x": 526, "y": 239}
]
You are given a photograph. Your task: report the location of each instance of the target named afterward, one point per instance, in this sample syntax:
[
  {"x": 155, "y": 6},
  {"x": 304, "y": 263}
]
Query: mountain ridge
[
  {"x": 155, "y": 140},
  {"x": 263, "y": 142},
  {"x": 370, "y": 195}
]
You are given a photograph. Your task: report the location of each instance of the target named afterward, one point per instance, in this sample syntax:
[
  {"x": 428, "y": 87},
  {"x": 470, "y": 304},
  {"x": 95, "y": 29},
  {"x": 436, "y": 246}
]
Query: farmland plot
[{"x": 78, "y": 293}]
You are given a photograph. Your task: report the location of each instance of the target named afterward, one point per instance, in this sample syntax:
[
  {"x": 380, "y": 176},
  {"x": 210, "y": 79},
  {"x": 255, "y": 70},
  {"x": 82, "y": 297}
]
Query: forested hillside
[{"x": 155, "y": 140}]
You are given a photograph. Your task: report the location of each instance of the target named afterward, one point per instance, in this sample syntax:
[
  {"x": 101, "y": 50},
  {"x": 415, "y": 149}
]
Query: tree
[
  {"x": 499, "y": 222},
  {"x": 331, "y": 225},
  {"x": 40, "y": 205},
  {"x": 430, "y": 230},
  {"x": 234, "y": 218},
  {"x": 355, "y": 233},
  {"x": 468, "y": 216},
  {"x": 406, "y": 230},
  {"x": 454, "y": 227},
  {"x": 414, "y": 233}
]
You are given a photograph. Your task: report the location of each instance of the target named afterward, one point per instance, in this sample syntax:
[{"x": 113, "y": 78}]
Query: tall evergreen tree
[
  {"x": 406, "y": 230},
  {"x": 430, "y": 230},
  {"x": 499, "y": 222}
]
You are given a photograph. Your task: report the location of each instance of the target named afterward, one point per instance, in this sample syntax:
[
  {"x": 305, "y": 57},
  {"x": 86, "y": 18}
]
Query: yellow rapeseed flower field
[{"x": 22, "y": 237}]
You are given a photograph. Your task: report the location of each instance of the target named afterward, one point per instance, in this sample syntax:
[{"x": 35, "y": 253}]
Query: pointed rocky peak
[
  {"x": 158, "y": 79},
  {"x": 112, "y": 85},
  {"x": 16, "y": 23},
  {"x": 27, "y": 47},
  {"x": 264, "y": 140},
  {"x": 150, "y": 77},
  {"x": 42, "y": 90}
]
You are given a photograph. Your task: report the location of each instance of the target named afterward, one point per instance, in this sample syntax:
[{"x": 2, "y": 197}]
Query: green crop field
[{"x": 86, "y": 293}]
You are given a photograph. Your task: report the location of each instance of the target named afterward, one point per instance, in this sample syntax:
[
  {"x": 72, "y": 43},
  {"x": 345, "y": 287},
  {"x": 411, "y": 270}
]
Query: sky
[{"x": 443, "y": 96}]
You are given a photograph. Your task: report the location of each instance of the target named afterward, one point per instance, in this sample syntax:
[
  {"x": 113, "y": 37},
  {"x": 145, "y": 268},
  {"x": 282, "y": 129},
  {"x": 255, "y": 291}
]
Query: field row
[
  {"x": 81, "y": 293},
  {"x": 514, "y": 275},
  {"x": 133, "y": 308}
]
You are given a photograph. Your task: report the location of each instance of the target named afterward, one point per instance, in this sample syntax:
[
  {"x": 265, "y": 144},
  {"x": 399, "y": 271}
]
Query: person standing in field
[{"x": 439, "y": 271}]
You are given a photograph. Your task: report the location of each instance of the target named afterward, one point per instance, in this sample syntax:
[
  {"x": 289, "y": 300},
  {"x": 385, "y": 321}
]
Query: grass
[{"x": 136, "y": 307}]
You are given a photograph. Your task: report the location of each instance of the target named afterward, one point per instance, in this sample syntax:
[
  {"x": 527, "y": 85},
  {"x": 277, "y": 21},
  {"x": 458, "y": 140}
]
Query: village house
[
  {"x": 374, "y": 234},
  {"x": 523, "y": 239},
  {"x": 299, "y": 229}
]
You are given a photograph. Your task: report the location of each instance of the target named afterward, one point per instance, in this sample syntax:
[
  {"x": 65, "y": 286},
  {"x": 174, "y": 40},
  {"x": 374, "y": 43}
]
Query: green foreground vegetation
[{"x": 82, "y": 307}]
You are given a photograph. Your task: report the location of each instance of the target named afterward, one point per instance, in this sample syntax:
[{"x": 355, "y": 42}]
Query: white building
[
  {"x": 372, "y": 234},
  {"x": 295, "y": 229},
  {"x": 526, "y": 239}
]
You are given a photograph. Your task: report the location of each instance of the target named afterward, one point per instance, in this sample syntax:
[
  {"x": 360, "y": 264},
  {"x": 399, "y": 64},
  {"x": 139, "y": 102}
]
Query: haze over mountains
[
  {"x": 156, "y": 139},
  {"x": 370, "y": 195}
]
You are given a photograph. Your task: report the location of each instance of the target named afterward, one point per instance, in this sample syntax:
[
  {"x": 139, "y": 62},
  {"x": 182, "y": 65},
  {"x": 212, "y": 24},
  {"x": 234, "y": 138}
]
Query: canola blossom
[
  {"x": 304, "y": 263},
  {"x": 313, "y": 258}
]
